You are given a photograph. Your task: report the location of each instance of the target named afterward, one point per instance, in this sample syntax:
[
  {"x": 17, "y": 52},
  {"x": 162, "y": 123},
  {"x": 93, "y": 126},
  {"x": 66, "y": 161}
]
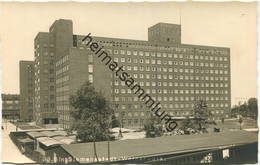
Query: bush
[{"x": 152, "y": 128}]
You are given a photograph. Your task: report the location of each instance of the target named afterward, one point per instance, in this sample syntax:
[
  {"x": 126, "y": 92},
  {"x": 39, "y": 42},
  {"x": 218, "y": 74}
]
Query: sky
[{"x": 226, "y": 24}]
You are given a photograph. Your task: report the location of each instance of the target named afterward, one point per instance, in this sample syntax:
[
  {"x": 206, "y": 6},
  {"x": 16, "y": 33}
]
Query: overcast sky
[{"x": 227, "y": 24}]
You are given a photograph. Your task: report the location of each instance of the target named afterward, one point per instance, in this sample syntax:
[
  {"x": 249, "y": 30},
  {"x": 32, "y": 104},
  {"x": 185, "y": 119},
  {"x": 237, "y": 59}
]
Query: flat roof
[
  {"x": 161, "y": 145},
  {"x": 64, "y": 139},
  {"x": 51, "y": 133},
  {"x": 26, "y": 140},
  {"x": 48, "y": 141},
  {"x": 150, "y": 43},
  {"x": 34, "y": 134},
  {"x": 64, "y": 133},
  {"x": 37, "y": 130}
]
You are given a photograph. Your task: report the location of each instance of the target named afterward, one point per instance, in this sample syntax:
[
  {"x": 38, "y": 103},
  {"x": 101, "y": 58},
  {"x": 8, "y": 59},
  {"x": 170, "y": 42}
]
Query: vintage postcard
[{"x": 129, "y": 83}]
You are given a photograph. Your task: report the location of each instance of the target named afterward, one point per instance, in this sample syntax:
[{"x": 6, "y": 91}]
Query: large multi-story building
[
  {"x": 172, "y": 73},
  {"x": 48, "y": 47},
  {"x": 26, "y": 89},
  {"x": 10, "y": 106}
]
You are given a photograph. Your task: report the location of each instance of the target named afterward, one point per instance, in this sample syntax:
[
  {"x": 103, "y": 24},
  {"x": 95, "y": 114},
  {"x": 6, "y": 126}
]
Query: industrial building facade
[
  {"x": 172, "y": 73},
  {"x": 47, "y": 48},
  {"x": 26, "y": 70}
]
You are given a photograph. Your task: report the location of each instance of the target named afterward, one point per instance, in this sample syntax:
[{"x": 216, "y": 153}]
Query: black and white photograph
[{"x": 129, "y": 82}]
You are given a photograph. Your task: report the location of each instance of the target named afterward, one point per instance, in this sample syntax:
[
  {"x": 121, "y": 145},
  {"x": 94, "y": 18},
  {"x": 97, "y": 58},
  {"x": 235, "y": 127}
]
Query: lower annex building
[
  {"x": 172, "y": 73},
  {"x": 10, "y": 106}
]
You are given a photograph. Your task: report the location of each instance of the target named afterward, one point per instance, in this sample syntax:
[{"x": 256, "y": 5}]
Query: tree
[
  {"x": 115, "y": 122},
  {"x": 202, "y": 116},
  {"x": 243, "y": 109},
  {"x": 247, "y": 109},
  {"x": 152, "y": 127},
  {"x": 186, "y": 124},
  {"x": 235, "y": 111},
  {"x": 252, "y": 107},
  {"x": 92, "y": 115},
  {"x": 240, "y": 120}
]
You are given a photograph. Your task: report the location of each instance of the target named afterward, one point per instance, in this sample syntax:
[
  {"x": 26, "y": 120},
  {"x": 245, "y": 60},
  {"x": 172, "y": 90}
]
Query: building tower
[
  {"x": 26, "y": 89},
  {"x": 48, "y": 47}
]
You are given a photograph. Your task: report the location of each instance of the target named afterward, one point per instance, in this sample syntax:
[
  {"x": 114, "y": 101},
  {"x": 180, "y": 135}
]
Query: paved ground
[
  {"x": 10, "y": 153},
  {"x": 233, "y": 124}
]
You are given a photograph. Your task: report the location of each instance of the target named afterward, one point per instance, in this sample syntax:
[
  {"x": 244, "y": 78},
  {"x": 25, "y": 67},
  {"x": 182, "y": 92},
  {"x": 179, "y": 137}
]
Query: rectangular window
[
  {"x": 90, "y": 78},
  {"x": 122, "y": 52},
  {"x": 90, "y": 68},
  {"x": 115, "y": 51}
]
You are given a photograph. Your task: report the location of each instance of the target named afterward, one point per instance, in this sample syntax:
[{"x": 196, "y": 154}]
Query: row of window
[
  {"x": 62, "y": 98},
  {"x": 63, "y": 107},
  {"x": 176, "y": 70},
  {"x": 169, "y": 55},
  {"x": 169, "y": 62},
  {"x": 37, "y": 54},
  {"x": 172, "y": 113},
  {"x": 176, "y": 105},
  {"x": 197, "y": 78},
  {"x": 62, "y": 60},
  {"x": 46, "y": 71},
  {"x": 45, "y": 88},
  {"x": 10, "y": 101},
  {"x": 141, "y": 122},
  {"x": 176, "y": 98},
  {"x": 10, "y": 107},
  {"x": 44, "y": 45},
  {"x": 157, "y": 48},
  {"x": 64, "y": 118},
  {"x": 62, "y": 89},
  {"x": 176, "y": 84},
  {"x": 63, "y": 69},
  {"x": 45, "y": 80},
  {"x": 46, "y": 62},
  {"x": 47, "y": 105},
  {"x": 66, "y": 78},
  {"x": 165, "y": 91},
  {"x": 181, "y": 77},
  {"x": 62, "y": 79}
]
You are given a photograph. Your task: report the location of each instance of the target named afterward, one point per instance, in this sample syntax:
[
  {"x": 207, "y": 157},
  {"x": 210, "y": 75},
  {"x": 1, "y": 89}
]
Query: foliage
[
  {"x": 240, "y": 122},
  {"x": 91, "y": 114},
  {"x": 247, "y": 109},
  {"x": 152, "y": 127},
  {"x": 186, "y": 125},
  {"x": 115, "y": 122},
  {"x": 202, "y": 116},
  {"x": 252, "y": 107}
]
